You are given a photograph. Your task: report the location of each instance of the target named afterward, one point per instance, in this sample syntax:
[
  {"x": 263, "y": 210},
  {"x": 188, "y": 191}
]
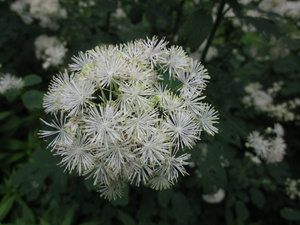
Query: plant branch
[{"x": 214, "y": 29}]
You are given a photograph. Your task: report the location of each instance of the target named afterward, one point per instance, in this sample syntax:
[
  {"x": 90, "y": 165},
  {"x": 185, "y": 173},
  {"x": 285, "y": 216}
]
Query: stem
[
  {"x": 178, "y": 17},
  {"x": 214, "y": 29},
  {"x": 107, "y": 22}
]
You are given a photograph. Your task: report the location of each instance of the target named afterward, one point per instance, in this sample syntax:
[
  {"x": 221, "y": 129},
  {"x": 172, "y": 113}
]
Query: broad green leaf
[
  {"x": 33, "y": 99},
  {"x": 69, "y": 217},
  {"x": 181, "y": 208},
  {"x": 125, "y": 218},
  {"x": 241, "y": 210},
  {"x": 32, "y": 79},
  {"x": 147, "y": 208},
  {"x": 265, "y": 26},
  {"x": 12, "y": 94},
  {"x": 5, "y": 206},
  {"x": 257, "y": 197},
  {"x": 290, "y": 214},
  {"x": 164, "y": 197},
  {"x": 195, "y": 29},
  {"x": 5, "y": 114},
  {"x": 44, "y": 222},
  {"x": 213, "y": 175},
  {"x": 27, "y": 214},
  {"x": 278, "y": 171}
]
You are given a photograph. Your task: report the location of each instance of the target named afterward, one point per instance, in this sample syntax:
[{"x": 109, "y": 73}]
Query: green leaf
[
  {"x": 264, "y": 26},
  {"x": 125, "y": 218},
  {"x": 213, "y": 175},
  {"x": 241, "y": 210},
  {"x": 181, "y": 208},
  {"x": 290, "y": 214},
  {"x": 33, "y": 99},
  {"x": 257, "y": 197},
  {"x": 3, "y": 115},
  {"x": 164, "y": 197},
  {"x": 278, "y": 171},
  {"x": 195, "y": 29},
  {"x": 69, "y": 217},
  {"x": 32, "y": 79},
  {"x": 5, "y": 206},
  {"x": 12, "y": 94},
  {"x": 147, "y": 208},
  {"x": 44, "y": 222},
  {"x": 27, "y": 214}
]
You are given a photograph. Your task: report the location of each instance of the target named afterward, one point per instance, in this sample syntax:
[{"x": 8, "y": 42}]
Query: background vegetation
[{"x": 239, "y": 42}]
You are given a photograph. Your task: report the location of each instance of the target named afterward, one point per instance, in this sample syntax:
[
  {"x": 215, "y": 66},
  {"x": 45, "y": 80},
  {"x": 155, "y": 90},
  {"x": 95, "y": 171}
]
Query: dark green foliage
[{"x": 35, "y": 190}]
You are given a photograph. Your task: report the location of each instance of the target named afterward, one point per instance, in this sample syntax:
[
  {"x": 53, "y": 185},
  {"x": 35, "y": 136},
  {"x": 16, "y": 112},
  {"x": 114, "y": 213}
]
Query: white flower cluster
[
  {"x": 125, "y": 111},
  {"x": 271, "y": 149},
  {"x": 8, "y": 82},
  {"x": 48, "y": 12},
  {"x": 49, "y": 49},
  {"x": 293, "y": 188},
  {"x": 263, "y": 101}
]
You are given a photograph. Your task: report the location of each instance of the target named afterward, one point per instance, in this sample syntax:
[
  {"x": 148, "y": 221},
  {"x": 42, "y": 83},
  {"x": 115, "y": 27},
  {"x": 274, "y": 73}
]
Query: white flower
[
  {"x": 80, "y": 61},
  {"x": 107, "y": 66},
  {"x": 77, "y": 155},
  {"x": 69, "y": 94},
  {"x": 153, "y": 147},
  {"x": 153, "y": 49},
  {"x": 139, "y": 121},
  {"x": 8, "y": 82},
  {"x": 112, "y": 191},
  {"x": 50, "y": 49},
  {"x": 48, "y": 12},
  {"x": 101, "y": 174},
  {"x": 293, "y": 188},
  {"x": 176, "y": 61},
  {"x": 276, "y": 150},
  {"x": 160, "y": 183},
  {"x": 214, "y": 198},
  {"x": 173, "y": 166},
  {"x": 170, "y": 102},
  {"x": 122, "y": 124},
  {"x": 271, "y": 149},
  {"x": 260, "y": 145},
  {"x": 278, "y": 129},
  {"x": 139, "y": 172},
  {"x": 102, "y": 125},
  {"x": 182, "y": 128},
  {"x": 193, "y": 80},
  {"x": 115, "y": 156},
  {"x": 208, "y": 118},
  {"x": 136, "y": 95},
  {"x": 63, "y": 135}
]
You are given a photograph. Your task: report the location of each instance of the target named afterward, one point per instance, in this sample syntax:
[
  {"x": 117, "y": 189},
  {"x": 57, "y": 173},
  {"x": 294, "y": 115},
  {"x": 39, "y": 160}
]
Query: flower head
[
  {"x": 272, "y": 149},
  {"x": 8, "y": 82},
  {"x": 120, "y": 122}
]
